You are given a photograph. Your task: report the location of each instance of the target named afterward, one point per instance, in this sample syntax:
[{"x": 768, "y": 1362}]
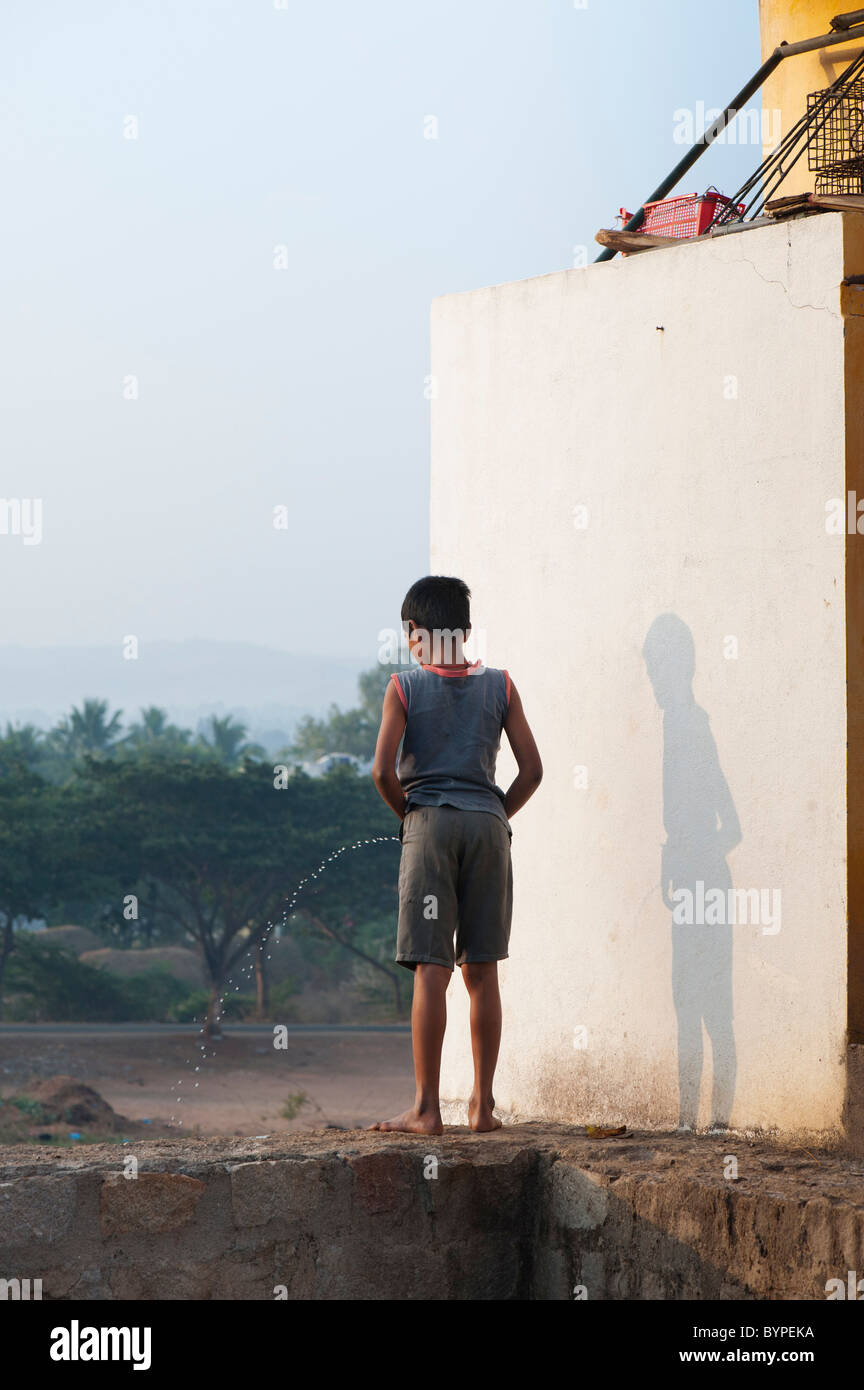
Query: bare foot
[
  {"x": 480, "y": 1117},
  {"x": 413, "y": 1121}
]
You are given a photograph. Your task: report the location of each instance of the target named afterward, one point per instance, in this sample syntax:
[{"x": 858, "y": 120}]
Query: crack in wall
[{"x": 817, "y": 308}]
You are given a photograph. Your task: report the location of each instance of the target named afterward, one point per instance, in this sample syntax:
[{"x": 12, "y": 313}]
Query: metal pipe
[
  {"x": 789, "y": 50},
  {"x": 847, "y": 20},
  {"x": 783, "y": 50},
  {"x": 698, "y": 149}
]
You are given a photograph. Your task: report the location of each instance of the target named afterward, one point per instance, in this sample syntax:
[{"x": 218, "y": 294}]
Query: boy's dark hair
[{"x": 438, "y": 602}]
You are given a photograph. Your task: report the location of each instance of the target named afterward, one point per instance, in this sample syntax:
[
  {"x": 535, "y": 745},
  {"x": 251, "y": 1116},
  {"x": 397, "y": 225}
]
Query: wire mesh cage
[
  {"x": 846, "y": 178},
  {"x": 835, "y": 150}
]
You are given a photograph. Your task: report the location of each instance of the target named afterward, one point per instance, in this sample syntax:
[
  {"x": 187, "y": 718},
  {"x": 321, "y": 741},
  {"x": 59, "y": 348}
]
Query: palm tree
[
  {"x": 87, "y": 730},
  {"x": 227, "y": 738},
  {"x": 152, "y": 724},
  {"x": 153, "y": 731},
  {"x": 23, "y": 743}
]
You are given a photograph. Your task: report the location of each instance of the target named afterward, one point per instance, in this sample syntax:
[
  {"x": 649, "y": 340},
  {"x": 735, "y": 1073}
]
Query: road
[{"x": 152, "y": 1030}]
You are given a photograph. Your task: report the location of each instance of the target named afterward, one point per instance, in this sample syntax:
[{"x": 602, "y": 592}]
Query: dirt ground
[{"x": 247, "y": 1088}]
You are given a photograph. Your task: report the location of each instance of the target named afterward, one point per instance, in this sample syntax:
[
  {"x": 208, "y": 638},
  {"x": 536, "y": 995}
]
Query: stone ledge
[
  {"x": 531, "y": 1211},
  {"x": 149, "y": 1202}
]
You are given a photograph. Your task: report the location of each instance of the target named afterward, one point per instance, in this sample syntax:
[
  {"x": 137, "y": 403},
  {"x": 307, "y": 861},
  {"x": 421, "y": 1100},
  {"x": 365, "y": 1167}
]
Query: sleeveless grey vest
[{"x": 452, "y": 736}]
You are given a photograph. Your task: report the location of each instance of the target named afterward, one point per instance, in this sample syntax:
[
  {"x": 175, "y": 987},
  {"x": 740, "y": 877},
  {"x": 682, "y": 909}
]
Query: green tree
[
  {"x": 87, "y": 730},
  {"x": 52, "y": 984},
  {"x": 40, "y": 855},
  {"x": 345, "y": 731},
  {"x": 226, "y": 847},
  {"x": 152, "y": 733},
  {"x": 24, "y": 743},
  {"x": 227, "y": 739}
]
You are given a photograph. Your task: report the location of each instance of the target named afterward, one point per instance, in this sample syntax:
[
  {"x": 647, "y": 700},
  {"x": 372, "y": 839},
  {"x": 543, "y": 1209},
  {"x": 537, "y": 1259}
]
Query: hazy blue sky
[{"x": 303, "y": 127}]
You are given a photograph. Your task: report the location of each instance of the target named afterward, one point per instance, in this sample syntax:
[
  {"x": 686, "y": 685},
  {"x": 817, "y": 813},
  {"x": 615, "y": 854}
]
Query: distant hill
[{"x": 269, "y": 690}]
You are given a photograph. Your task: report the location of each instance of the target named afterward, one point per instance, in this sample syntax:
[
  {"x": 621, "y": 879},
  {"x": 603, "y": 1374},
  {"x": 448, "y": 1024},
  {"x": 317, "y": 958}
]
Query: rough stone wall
[{"x": 536, "y": 1212}]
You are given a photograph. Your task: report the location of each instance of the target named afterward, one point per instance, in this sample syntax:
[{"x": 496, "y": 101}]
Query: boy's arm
[
  {"x": 393, "y": 721},
  {"x": 525, "y": 752}
]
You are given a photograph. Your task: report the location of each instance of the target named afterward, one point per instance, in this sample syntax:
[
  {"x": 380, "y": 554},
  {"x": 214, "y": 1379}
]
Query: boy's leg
[
  {"x": 428, "y": 1020},
  {"x": 481, "y": 981}
]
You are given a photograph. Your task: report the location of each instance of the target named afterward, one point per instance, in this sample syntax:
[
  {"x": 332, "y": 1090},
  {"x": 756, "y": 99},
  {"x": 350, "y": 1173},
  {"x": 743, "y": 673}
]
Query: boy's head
[{"x": 436, "y": 614}]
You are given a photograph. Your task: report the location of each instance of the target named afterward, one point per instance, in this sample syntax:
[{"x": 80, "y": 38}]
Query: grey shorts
[{"x": 455, "y": 880}]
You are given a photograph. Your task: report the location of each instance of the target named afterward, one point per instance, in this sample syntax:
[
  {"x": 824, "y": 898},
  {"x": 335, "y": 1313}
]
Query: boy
[{"x": 455, "y": 874}]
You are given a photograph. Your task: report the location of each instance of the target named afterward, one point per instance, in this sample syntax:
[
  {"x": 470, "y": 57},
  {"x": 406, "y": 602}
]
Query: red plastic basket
[{"x": 686, "y": 216}]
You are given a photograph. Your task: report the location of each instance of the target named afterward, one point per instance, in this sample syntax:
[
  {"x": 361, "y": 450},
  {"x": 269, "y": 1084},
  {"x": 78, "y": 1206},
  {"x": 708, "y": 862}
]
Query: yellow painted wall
[{"x": 786, "y": 90}]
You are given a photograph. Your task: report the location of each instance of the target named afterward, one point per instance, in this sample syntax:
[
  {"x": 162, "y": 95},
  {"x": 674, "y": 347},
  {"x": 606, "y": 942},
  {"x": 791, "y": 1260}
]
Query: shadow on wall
[{"x": 701, "y": 826}]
